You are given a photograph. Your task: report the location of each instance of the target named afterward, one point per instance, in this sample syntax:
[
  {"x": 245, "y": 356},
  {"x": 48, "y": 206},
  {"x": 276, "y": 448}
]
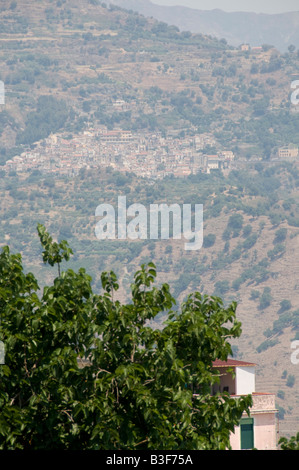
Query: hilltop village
[{"x": 149, "y": 155}]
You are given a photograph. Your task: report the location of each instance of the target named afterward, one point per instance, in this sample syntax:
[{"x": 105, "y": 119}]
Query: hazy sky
[{"x": 258, "y": 6}]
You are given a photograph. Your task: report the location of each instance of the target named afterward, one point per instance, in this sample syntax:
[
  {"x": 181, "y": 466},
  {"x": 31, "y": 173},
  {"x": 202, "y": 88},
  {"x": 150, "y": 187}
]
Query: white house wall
[{"x": 245, "y": 380}]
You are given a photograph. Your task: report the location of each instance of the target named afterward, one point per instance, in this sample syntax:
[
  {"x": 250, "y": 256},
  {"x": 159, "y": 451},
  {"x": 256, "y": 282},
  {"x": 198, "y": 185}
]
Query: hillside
[
  {"x": 280, "y": 30},
  {"x": 249, "y": 253},
  {"x": 65, "y": 66}
]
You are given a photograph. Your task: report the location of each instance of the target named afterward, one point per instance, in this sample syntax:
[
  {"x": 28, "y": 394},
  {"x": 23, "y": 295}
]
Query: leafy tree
[
  {"x": 280, "y": 235},
  {"x": 291, "y": 48},
  {"x": 247, "y": 230},
  {"x": 235, "y": 222},
  {"x": 281, "y": 394},
  {"x": 285, "y": 305},
  {"x": 276, "y": 252},
  {"x": 54, "y": 252},
  {"x": 289, "y": 444},
  {"x": 221, "y": 287},
  {"x": 265, "y": 299},
  {"x": 281, "y": 412},
  {"x": 50, "y": 116},
  {"x": 84, "y": 371},
  {"x": 209, "y": 240},
  {"x": 290, "y": 380},
  {"x": 250, "y": 241},
  {"x": 254, "y": 294},
  {"x": 284, "y": 374}
]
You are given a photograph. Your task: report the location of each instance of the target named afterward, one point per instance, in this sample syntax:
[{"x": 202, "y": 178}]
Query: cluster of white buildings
[{"x": 144, "y": 154}]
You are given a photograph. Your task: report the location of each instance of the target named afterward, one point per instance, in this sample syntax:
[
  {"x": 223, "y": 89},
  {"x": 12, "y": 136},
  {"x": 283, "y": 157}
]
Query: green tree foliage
[
  {"x": 289, "y": 444},
  {"x": 209, "y": 240},
  {"x": 234, "y": 225},
  {"x": 290, "y": 381},
  {"x": 280, "y": 235},
  {"x": 277, "y": 251},
  {"x": 285, "y": 305},
  {"x": 265, "y": 299},
  {"x": 54, "y": 253},
  {"x": 50, "y": 116},
  {"x": 84, "y": 371}
]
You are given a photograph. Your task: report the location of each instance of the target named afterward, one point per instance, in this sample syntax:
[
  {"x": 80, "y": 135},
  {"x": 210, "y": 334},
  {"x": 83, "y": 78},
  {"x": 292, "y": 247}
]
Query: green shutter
[{"x": 246, "y": 427}]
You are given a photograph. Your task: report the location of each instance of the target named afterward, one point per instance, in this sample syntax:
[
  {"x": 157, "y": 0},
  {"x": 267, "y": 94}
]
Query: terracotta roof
[{"x": 232, "y": 363}]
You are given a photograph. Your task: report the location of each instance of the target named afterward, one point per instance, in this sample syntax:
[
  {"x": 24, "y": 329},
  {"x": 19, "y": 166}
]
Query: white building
[{"x": 259, "y": 430}]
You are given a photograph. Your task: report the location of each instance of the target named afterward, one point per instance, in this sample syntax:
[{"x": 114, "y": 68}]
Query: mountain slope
[
  {"x": 280, "y": 30},
  {"x": 251, "y": 241},
  {"x": 65, "y": 65}
]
